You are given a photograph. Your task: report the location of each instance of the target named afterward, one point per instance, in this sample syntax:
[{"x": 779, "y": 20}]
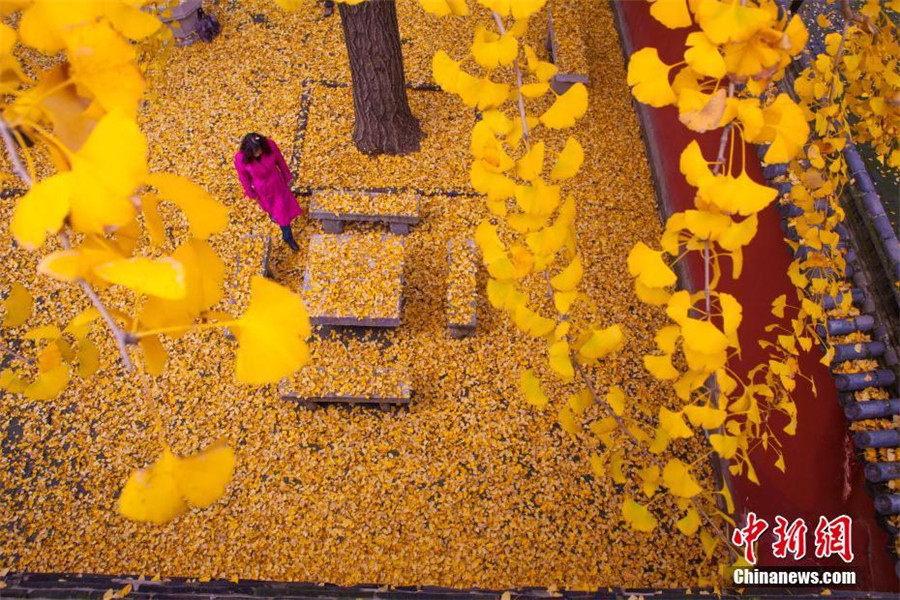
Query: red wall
[{"x": 823, "y": 476}]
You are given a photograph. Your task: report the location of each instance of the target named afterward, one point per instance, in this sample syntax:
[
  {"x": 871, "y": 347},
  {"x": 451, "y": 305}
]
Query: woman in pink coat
[{"x": 266, "y": 179}]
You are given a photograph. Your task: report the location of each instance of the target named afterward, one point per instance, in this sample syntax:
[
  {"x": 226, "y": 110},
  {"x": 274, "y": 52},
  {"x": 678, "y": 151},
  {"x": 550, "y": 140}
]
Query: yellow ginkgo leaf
[
  {"x": 130, "y": 20},
  {"x": 693, "y": 166},
  {"x": 650, "y": 478},
  {"x": 49, "y": 384},
  {"x": 481, "y": 92},
  {"x": 538, "y": 199},
  {"x": 12, "y": 382},
  {"x": 542, "y": 70},
  {"x": 615, "y": 397},
  {"x": 154, "y": 354},
  {"x": 604, "y": 426},
  {"x": 616, "y": 464},
  {"x": 446, "y": 72},
  {"x": 739, "y": 234},
  {"x": 79, "y": 263},
  {"x": 535, "y": 90},
  {"x": 648, "y": 77},
  {"x": 204, "y": 214},
  {"x": 569, "y": 278},
  {"x": 529, "y": 167},
  {"x": 104, "y": 66},
  {"x": 725, "y": 445},
  {"x": 560, "y": 362},
  {"x": 106, "y": 171},
  {"x": 491, "y": 50},
  {"x": 563, "y": 301},
  {"x": 580, "y": 401},
  {"x": 649, "y": 267},
  {"x": 271, "y": 334},
  {"x": 709, "y": 543},
  {"x": 152, "y": 494},
  {"x": 49, "y": 358},
  {"x": 752, "y": 197},
  {"x": 43, "y": 332},
  {"x": 677, "y": 477},
  {"x": 495, "y": 185},
  {"x": 732, "y": 313},
  {"x": 778, "y": 306},
  {"x": 162, "y": 277},
  {"x": 568, "y": 422},
  {"x": 667, "y": 337},
  {"x": 678, "y": 306},
  {"x": 750, "y": 114},
  {"x": 88, "y": 358},
  {"x": 671, "y": 13},
  {"x": 703, "y": 55},
  {"x": 690, "y": 523},
  {"x": 706, "y": 224},
  {"x": 519, "y": 9},
  {"x": 703, "y": 336},
  {"x": 598, "y": 467},
  {"x": 549, "y": 240},
  {"x": 80, "y": 325},
  {"x": 595, "y": 344},
  {"x": 638, "y": 516},
  {"x": 652, "y": 296},
  {"x": 568, "y": 161},
  {"x": 531, "y": 389},
  {"x": 161, "y": 492},
  {"x": 731, "y": 21},
  {"x": 442, "y": 8},
  {"x": 661, "y": 367},
  {"x": 701, "y": 112},
  {"x": 708, "y": 417},
  {"x": 567, "y": 108},
  {"x": 526, "y": 223},
  {"x": 673, "y": 424},
  {"x": 531, "y": 322},
  {"x": 202, "y": 477},
  {"x": 521, "y": 259},
  {"x": 786, "y": 127},
  {"x": 17, "y": 305},
  {"x": 204, "y": 274},
  {"x": 42, "y": 210},
  {"x": 489, "y": 242}
]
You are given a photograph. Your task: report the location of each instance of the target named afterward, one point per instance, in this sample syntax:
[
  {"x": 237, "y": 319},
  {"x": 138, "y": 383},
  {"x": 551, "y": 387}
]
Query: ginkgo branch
[
  {"x": 18, "y": 168},
  {"x": 7, "y": 350},
  {"x": 522, "y": 116},
  {"x": 122, "y": 338},
  {"x": 621, "y": 424}
]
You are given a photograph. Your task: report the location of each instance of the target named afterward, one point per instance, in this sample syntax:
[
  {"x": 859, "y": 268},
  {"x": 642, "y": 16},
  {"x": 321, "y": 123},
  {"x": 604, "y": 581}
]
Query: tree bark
[{"x": 384, "y": 124}]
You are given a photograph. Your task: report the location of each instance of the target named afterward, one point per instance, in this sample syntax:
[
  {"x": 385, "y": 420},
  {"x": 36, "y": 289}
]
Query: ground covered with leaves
[{"x": 469, "y": 486}]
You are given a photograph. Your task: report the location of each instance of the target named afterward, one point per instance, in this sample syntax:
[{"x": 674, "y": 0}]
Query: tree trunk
[{"x": 384, "y": 124}]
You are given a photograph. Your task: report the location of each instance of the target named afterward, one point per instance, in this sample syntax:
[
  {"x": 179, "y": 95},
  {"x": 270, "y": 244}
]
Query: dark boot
[{"x": 288, "y": 236}]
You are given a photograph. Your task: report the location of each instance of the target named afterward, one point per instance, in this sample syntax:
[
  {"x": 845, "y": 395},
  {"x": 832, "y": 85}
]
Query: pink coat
[{"x": 268, "y": 181}]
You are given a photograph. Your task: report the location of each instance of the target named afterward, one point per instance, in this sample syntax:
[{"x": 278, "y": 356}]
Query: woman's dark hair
[{"x": 253, "y": 142}]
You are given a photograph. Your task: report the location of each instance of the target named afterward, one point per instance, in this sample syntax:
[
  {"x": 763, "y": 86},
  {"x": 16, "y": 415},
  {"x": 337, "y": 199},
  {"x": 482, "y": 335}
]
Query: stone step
[
  {"x": 462, "y": 288},
  {"x": 321, "y": 385}
]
